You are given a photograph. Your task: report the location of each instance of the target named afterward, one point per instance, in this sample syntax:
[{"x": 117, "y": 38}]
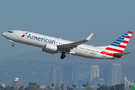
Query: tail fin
[{"x": 120, "y": 44}]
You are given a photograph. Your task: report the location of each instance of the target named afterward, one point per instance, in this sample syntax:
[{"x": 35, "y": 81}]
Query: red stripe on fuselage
[{"x": 112, "y": 49}]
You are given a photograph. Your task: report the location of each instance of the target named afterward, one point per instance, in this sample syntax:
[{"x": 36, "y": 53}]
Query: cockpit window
[{"x": 10, "y": 31}]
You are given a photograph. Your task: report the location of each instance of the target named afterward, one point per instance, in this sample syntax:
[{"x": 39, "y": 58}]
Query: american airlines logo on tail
[{"x": 120, "y": 44}]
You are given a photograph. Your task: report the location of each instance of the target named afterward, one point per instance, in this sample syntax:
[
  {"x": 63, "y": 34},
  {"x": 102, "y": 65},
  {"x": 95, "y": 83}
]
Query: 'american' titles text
[{"x": 41, "y": 39}]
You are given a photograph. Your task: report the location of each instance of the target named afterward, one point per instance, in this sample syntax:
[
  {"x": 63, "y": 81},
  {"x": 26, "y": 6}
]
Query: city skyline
[
  {"x": 35, "y": 86},
  {"x": 68, "y": 75},
  {"x": 39, "y": 70}
]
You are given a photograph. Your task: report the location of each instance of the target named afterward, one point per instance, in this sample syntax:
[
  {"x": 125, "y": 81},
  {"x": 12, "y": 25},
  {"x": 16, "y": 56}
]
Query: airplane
[{"x": 53, "y": 45}]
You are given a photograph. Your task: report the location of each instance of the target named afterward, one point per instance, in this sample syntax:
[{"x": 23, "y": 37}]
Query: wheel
[
  {"x": 13, "y": 45},
  {"x": 62, "y": 56}
]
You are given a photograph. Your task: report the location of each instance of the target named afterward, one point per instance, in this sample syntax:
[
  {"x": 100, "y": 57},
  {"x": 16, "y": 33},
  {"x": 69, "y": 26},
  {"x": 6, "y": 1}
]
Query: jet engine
[{"x": 50, "y": 48}]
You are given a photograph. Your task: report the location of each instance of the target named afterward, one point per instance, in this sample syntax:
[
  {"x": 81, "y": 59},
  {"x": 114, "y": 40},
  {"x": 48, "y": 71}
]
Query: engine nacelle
[{"x": 50, "y": 48}]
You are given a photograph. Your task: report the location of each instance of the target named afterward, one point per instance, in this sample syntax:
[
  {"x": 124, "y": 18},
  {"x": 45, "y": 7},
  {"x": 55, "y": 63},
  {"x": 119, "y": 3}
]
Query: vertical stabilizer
[{"x": 120, "y": 44}]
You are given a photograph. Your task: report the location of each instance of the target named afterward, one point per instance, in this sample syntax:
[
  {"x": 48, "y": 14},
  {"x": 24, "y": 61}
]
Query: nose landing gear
[{"x": 12, "y": 43}]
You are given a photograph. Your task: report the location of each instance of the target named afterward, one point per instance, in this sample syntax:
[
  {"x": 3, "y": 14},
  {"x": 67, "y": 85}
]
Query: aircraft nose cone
[{"x": 3, "y": 34}]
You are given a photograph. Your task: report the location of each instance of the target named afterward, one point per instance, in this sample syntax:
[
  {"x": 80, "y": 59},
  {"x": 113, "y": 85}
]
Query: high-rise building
[
  {"x": 115, "y": 74},
  {"x": 67, "y": 75},
  {"x": 94, "y": 72},
  {"x": 15, "y": 83},
  {"x": 32, "y": 86},
  {"x": 75, "y": 74},
  {"x": 101, "y": 80},
  {"x": 105, "y": 74},
  {"x": 56, "y": 75}
]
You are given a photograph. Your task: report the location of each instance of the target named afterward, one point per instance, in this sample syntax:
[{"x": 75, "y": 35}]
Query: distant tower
[
  {"x": 56, "y": 75},
  {"x": 94, "y": 72},
  {"x": 75, "y": 74},
  {"x": 115, "y": 74},
  {"x": 32, "y": 86},
  {"x": 101, "y": 81},
  {"x": 15, "y": 83},
  {"x": 67, "y": 75}
]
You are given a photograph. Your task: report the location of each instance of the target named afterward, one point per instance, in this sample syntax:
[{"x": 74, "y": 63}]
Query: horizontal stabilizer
[{"x": 122, "y": 54}]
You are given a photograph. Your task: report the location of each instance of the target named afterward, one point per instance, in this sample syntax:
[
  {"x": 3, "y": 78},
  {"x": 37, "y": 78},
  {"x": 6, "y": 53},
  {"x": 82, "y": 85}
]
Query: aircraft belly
[{"x": 86, "y": 54}]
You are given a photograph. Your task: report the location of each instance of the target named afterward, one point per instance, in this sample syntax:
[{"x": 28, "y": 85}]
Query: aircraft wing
[{"x": 75, "y": 44}]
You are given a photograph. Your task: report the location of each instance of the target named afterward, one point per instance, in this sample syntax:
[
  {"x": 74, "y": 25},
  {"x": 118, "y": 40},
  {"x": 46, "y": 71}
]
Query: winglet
[{"x": 89, "y": 37}]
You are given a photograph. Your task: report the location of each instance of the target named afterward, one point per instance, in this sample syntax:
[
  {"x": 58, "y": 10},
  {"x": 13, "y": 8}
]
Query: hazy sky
[{"x": 69, "y": 19}]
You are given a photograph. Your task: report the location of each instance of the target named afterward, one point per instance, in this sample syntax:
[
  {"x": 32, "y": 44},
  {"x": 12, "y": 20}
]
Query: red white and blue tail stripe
[{"x": 118, "y": 46}]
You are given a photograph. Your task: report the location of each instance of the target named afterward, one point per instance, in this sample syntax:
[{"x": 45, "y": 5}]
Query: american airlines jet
[{"x": 55, "y": 45}]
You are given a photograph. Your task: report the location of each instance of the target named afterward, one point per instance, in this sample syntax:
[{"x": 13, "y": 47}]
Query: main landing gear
[{"x": 62, "y": 55}]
